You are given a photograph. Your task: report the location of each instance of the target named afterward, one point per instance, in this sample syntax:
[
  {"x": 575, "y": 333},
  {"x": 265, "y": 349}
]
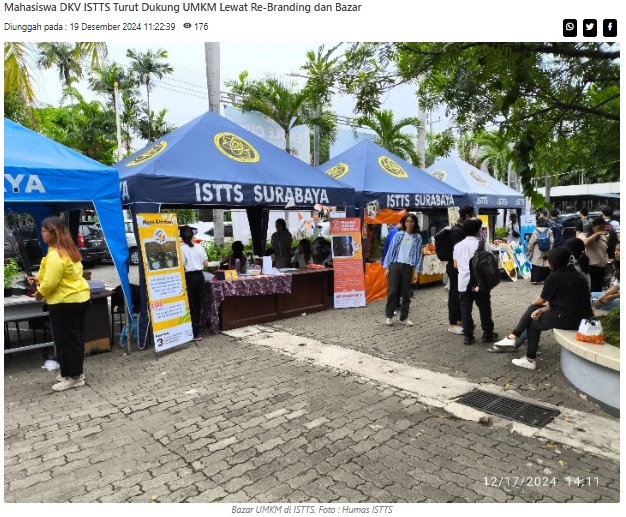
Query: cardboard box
[{"x": 97, "y": 346}]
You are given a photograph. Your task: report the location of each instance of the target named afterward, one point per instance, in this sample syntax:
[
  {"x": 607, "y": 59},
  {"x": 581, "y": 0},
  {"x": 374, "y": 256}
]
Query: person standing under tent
[
  {"x": 281, "y": 243},
  {"x": 194, "y": 259},
  {"x": 60, "y": 282},
  {"x": 404, "y": 254},
  {"x": 512, "y": 229}
]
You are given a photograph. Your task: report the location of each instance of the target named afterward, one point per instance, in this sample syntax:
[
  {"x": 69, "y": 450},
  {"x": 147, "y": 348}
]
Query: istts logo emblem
[
  {"x": 235, "y": 148},
  {"x": 149, "y": 154},
  {"x": 477, "y": 177},
  {"x": 391, "y": 167},
  {"x": 440, "y": 175},
  {"x": 338, "y": 171}
]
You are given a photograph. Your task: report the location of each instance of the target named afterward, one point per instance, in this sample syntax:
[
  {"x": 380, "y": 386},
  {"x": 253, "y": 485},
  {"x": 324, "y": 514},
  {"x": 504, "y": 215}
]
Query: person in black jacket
[
  {"x": 454, "y": 305},
  {"x": 563, "y": 303}
]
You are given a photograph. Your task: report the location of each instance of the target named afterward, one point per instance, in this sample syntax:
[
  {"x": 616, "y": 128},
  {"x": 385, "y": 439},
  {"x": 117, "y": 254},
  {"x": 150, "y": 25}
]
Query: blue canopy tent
[
  {"x": 483, "y": 190},
  {"x": 380, "y": 176},
  {"x": 39, "y": 172},
  {"x": 212, "y": 162}
]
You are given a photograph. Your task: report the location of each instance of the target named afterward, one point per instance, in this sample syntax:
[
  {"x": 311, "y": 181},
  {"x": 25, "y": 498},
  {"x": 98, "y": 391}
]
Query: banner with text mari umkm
[
  {"x": 347, "y": 253},
  {"x": 165, "y": 280}
]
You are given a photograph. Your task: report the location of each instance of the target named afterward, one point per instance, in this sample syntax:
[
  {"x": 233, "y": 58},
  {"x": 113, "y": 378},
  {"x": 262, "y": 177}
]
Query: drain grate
[{"x": 529, "y": 414}]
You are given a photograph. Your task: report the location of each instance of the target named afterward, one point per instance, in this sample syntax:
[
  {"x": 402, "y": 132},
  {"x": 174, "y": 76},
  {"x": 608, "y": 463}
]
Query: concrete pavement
[{"x": 322, "y": 408}]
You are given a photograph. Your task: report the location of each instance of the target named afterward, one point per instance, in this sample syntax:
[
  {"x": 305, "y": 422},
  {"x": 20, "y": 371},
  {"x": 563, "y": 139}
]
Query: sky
[{"x": 184, "y": 92}]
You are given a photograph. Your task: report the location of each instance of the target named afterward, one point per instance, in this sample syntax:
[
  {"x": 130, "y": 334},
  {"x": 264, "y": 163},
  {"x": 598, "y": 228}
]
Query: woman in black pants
[
  {"x": 562, "y": 304},
  {"x": 195, "y": 259},
  {"x": 60, "y": 281}
]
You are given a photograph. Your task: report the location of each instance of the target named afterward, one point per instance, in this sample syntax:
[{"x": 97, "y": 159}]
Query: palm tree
[
  {"x": 321, "y": 72},
  {"x": 148, "y": 66},
  {"x": 280, "y": 102},
  {"x": 468, "y": 149},
  {"x": 496, "y": 151},
  {"x": 67, "y": 59},
  {"x": 20, "y": 63},
  {"x": 389, "y": 134},
  {"x": 151, "y": 127},
  {"x": 18, "y": 70},
  {"x": 103, "y": 78}
]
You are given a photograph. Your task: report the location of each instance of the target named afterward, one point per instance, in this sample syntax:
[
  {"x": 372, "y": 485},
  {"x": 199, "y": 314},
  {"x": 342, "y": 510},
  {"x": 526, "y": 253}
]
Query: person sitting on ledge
[
  {"x": 566, "y": 292},
  {"x": 237, "y": 253}
]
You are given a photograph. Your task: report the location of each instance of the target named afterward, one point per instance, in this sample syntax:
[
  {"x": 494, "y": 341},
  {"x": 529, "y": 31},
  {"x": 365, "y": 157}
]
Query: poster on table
[
  {"x": 165, "y": 280},
  {"x": 485, "y": 235},
  {"x": 453, "y": 216},
  {"x": 526, "y": 229},
  {"x": 347, "y": 253}
]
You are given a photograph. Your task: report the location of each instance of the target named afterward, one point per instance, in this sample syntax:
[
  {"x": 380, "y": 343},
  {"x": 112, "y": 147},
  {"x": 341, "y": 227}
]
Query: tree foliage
[{"x": 539, "y": 95}]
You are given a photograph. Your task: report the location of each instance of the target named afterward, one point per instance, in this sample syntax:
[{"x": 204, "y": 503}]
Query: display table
[
  {"x": 251, "y": 300},
  {"x": 433, "y": 270},
  {"x": 97, "y": 324},
  {"x": 23, "y": 308}
]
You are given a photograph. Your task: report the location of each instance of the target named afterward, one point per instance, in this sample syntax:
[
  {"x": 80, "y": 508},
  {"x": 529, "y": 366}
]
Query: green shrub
[
  {"x": 214, "y": 251},
  {"x": 11, "y": 268},
  {"x": 500, "y": 233},
  {"x": 610, "y": 325}
]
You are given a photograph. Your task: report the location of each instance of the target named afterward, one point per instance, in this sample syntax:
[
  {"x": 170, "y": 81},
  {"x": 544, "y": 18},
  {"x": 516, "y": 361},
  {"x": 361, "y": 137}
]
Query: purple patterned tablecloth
[{"x": 214, "y": 292}]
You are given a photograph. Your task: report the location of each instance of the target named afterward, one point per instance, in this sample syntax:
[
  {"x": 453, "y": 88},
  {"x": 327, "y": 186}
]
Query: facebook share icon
[{"x": 609, "y": 28}]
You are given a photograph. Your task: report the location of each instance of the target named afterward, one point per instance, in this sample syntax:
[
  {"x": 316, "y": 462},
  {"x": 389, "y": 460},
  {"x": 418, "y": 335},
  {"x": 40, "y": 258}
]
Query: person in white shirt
[
  {"x": 463, "y": 253},
  {"x": 195, "y": 258},
  {"x": 512, "y": 229}
]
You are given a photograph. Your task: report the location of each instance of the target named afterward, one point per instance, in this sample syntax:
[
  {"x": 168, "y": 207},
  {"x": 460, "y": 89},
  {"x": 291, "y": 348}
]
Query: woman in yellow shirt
[{"x": 61, "y": 283}]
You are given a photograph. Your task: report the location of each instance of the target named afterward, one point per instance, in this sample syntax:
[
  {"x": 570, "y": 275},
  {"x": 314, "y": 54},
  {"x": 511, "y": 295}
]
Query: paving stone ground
[{"x": 230, "y": 422}]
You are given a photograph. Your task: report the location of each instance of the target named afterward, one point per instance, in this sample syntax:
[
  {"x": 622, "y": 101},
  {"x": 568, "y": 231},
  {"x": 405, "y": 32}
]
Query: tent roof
[
  {"x": 378, "y": 175},
  {"x": 38, "y": 170},
  {"x": 213, "y": 161},
  {"x": 484, "y": 190}
]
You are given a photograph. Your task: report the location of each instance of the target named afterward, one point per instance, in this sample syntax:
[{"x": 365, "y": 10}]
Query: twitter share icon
[
  {"x": 590, "y": 28},
  {"x": 570, "y": 26}
]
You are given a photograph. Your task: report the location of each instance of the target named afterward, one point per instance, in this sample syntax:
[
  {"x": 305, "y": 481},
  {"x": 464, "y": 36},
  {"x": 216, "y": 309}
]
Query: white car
[
  {"x": 205, "y": 232},
  {"x": 131, "y": 242}
]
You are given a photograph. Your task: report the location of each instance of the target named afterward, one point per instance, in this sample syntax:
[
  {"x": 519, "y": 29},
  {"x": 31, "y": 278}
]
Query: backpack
[
  {"x": 484, "y": 269},
  {"x": 443, "y": 245},
  {"x": 611, "y": 240},
  {"x": 557, "y": 231},
  {"x": 543, "y": 241}
]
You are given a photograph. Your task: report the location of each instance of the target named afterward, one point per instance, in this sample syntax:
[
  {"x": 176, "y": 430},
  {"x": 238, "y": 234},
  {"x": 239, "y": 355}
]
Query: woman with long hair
[
  {"x": 596, "y": 246},
  {"x": 562, "y": 304},
  {"x": 404, "y": 254},
  {"x": 60, "y": 282},
  {"x": 194, "y": 260},
  {"x": 579, "y": 258},
  {"x": 303, "y": 256},
  {"x": 281, "y": 243},
  {"x": 237, "y": 254}
]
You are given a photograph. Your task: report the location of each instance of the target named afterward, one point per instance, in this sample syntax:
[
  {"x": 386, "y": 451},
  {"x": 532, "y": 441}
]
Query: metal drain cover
[{"x": 529, "y": 414}]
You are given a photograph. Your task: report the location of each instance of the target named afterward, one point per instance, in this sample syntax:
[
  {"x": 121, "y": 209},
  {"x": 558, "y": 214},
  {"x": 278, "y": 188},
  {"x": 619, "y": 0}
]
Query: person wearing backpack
[
  {"x": 470, "y": 290},
  {"x": 445, "y": 241},
  {"x": 556, "y": 225},
  {"x": 596, "y": 240},
  {"x": 540, "y": 243},
  {"x": 584, "y": 222}
]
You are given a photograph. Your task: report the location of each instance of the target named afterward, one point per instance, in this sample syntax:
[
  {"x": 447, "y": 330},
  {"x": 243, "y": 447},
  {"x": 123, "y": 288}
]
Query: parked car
[
  {"x": 131, "y": 242},
  {"x": 91, "y": 243},
  {"x": 205, "y": 232},
  {"x": 23, "y": 232},
  {"x": 570, "y": 221}
]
